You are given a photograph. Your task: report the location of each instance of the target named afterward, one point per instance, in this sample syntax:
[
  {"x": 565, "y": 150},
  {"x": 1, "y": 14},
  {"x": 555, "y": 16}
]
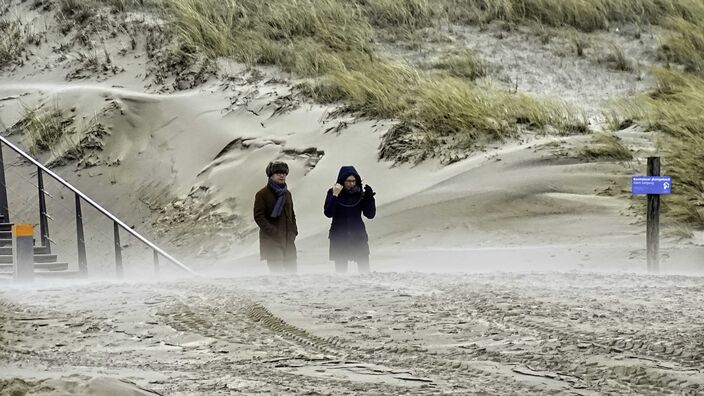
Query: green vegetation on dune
[
  {"x": 307, "y": 37},
  {"x": 685, "y": 45},
  {"x": 585, "y": 15},
  {"x": 399, "y": 13},
  {"x": 604, "y": 146},
  {"x": 330, "y": 44},
  {"x": 43, "y": 129},
  {"x": 13, "y": 41},
  {"x": 676, "y": 109},
  {"x": 463, "y": 64},
  {"x": 49, "y": 129},
  {"x": 332, "y": 40}
]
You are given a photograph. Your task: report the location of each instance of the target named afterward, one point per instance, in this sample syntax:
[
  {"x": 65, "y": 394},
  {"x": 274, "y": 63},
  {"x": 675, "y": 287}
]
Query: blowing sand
[
  {"x": 518, "y": 270},
  {"x": 382, "y": 333}
]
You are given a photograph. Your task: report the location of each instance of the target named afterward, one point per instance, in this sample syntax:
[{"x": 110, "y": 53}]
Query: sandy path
[{"x": 390, "y": 333}]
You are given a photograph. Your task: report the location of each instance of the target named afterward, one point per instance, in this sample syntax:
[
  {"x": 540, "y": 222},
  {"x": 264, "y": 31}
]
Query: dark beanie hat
[{"x": 276, "y": 167}]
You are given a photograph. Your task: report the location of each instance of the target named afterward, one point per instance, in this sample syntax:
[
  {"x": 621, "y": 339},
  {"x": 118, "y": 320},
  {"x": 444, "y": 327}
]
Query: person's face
[
  {"x": 350, "y": 182},
  {"x": 279, "y": 178}
]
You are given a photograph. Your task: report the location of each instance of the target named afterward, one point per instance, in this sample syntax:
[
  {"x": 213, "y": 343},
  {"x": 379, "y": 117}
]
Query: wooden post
[{"x": 653, "y": 220}]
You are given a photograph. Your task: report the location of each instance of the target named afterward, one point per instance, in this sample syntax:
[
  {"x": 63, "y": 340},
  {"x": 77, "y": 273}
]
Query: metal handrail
[{"x": 96, "y": 206}]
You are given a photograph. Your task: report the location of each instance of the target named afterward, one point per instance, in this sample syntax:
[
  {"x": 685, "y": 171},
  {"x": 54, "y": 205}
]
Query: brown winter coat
[{"x": 276, "y": 235}]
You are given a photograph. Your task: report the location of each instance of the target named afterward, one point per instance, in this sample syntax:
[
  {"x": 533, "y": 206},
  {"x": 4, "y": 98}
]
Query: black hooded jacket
[{"x": 348, "y": 235}]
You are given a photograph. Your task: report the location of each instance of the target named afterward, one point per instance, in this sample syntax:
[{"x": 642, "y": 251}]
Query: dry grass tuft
[
  {"x": 464, "y": 64},
  {"x": 43, "y": 129},
  {"x": 14, "y": 38},
  {"x": 408, "y": 14},
  {"x": 604, "y": 146},
  {"x": 685, "y": 45},
  {"x": 584, "y": 15}
]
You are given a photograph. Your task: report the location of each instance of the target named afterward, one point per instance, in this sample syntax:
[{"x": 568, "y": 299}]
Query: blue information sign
[{"x": 651, "y": 185}]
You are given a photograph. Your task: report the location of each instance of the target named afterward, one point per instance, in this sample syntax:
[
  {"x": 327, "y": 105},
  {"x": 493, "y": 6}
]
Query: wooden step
[
  {"x": 38, "y": 266},
  {"x": 38, "y": 258},
  {"x": 6, "y": 226},
  {"x": 7, "y": 250}
]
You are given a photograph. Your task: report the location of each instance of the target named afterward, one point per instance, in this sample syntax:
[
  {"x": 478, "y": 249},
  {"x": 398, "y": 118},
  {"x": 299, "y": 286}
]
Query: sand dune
[{"x": 517, "y": 270}]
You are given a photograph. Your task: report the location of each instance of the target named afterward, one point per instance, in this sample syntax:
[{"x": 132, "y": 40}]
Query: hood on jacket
[{"x": 347, "y": 171}]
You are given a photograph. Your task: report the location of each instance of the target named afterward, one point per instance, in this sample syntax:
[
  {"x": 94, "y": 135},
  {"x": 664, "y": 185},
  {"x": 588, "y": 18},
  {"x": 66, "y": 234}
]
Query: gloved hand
[
  {"x": 336, "y": 189},
  {"x": 368, "y": 192}
]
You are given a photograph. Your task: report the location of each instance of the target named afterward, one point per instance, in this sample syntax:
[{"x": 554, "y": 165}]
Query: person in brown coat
[{"x": 273, "y": 213}]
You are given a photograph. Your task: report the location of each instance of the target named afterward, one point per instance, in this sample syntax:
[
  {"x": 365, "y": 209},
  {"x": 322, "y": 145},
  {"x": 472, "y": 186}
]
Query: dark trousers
[
  {"x": 281, "y": 267},
  {"x": 362, "y": 265},
  {"x": 283, "y": 260}
]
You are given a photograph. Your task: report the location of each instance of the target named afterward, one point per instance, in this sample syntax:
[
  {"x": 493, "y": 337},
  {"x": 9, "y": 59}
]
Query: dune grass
[
  {"x": 585, "y": 15},
  {"x": 331, "y": 41},
  {"x": 616, "y": 59},
  {"x": 49, "y": 129},
  {"x": 13, "y": 39},
  {"x": 676, "y": 109},
  {"x": 381, "y": 89},
  {"x": 44, "y": 128},
  {"x": 446, "y": 109},
  {"x": 307, "y": 37},
  {"x": 399, "y": 13},
  {"x": 80, "y": 11},
  {"x": 449, "y": 106},
  {"x": 604, "y": 146},
  {"x": 684, "y": 163},
  {"x": 685, "y": 45},
  {"x": 462, "y": 64}
]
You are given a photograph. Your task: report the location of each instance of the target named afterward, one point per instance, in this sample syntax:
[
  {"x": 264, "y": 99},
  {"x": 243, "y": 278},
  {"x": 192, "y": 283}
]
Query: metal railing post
[
  {"x": 43, "y": 221},
  {"x": 82, "y": 259},
  {"x": 4, "y": 206},
  {"x": 156, "y": 263},
  {"x": 118, "y": 251}
]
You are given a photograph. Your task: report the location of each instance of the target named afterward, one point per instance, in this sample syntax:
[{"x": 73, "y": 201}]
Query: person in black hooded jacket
[{"x": 345, "y": 203}]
